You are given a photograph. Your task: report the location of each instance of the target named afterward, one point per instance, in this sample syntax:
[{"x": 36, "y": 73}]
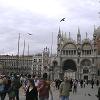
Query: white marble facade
[{"x": 76, "y": 59}]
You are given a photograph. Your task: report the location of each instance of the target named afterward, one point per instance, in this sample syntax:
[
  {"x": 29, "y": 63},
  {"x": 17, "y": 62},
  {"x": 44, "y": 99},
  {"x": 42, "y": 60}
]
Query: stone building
[
  {"x": 37, "y": 64},
  {"x": 28, "y": 64},
  {"x": 14, "y": 64},
  {"x": 40, "y": 63},
  {"x": 77, "y": 59}
]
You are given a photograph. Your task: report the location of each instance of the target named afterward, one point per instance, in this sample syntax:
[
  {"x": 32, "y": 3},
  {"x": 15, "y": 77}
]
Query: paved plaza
[{"x": 82, "y": 94}]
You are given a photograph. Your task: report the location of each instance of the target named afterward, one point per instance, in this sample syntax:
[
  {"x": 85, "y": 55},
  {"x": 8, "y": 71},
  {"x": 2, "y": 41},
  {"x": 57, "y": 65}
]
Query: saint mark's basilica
[{"x": 77, "y": 59}]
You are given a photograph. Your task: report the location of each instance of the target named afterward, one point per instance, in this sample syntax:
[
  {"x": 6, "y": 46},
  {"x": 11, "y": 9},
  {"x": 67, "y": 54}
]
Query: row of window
[
  {"x": 37, "y": 65},
  {"x": 37, "y": 60},
  {"x": 39, "y": 69},
  {"x": 74, "y": 52}
]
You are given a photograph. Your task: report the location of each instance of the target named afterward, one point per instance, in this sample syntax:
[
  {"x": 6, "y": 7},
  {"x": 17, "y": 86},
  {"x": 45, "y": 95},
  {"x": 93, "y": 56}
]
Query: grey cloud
[{"x": 82, "y": 13}]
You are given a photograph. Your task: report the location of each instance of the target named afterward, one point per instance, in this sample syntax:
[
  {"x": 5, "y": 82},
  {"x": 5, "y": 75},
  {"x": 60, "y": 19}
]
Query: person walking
[
  {"x": 74, "y": 86},
  {"x": 44, "y": 89},
  {"x": 81, "y": 83},
  {"x": 64, "y": 90},
  {"x": 2, "y": 94},
  {"x": 31, "y": 93},
  {"x": 84, "y": 83}
]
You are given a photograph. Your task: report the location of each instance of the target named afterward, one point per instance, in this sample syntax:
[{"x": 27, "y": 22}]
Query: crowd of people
[{"x": 39, "y": 88}]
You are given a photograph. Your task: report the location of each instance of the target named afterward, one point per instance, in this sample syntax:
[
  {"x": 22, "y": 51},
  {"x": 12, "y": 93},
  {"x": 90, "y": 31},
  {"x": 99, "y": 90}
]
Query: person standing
[
  {"x": 64, "y": 90},
  {"x": 71, "y": 84},
  {"x": 36, "y": 81},
  {"x": 11, "y": 90},
  {"x": 97, "y": 82},
  {"x": 31, "y": 93},
  {"x": 17, "y": 85},
  {"x": 92, "y": 83}
]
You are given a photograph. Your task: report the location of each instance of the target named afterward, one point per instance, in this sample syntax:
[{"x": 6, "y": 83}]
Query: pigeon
[
  {"x": 29, "y": 34},
  {"x": 89, "y": 94},
  {"x": 63, "y": 19}
]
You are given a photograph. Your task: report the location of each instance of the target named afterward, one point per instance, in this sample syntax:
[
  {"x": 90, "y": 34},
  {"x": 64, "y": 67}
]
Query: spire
[
  {"x": 86, "y": 35},
  {"x": 59, "y": 30},
  {"x": 69, "y": 35},
  {"x": 78, "y": 36},
  {"x": 65, "y": 35},
  {"x": 94, "y": 28},
  {"x": 94, "y": 34},
  {"x": 78, "y": 30},
  {"x": 62, "y": 34},
  {"x": 59, "y": 33}
]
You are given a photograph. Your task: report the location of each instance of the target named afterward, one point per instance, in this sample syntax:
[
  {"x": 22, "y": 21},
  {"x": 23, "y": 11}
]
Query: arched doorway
[
  {"x": 69, "y": 64},
  {"x": 69, "y": 68}
]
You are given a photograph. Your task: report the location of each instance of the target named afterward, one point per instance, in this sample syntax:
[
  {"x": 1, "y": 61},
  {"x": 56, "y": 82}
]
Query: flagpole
[
  {"x": 28, "y": 49},
  {"x": 18, "y": 53},
  {"x": 24, "y": 48},
  {"x": 51, "y": 43},
  {"x": 28, "y": 44},
  {"x": 52, "y": 77},
  {"x": 18, "y": 43}
]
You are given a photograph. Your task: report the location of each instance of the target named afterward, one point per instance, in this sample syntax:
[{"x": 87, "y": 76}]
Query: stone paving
[{"x": 82, "y": 94}]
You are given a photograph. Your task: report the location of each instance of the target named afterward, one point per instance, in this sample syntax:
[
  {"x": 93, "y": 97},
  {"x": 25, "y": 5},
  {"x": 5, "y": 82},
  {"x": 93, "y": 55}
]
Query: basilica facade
[{"x": 77, "y": 59}]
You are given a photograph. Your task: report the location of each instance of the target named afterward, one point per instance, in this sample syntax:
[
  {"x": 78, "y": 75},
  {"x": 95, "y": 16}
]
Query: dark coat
[
  {"x": 99, "y": 93},
  {"x": 32, "y": 95}
]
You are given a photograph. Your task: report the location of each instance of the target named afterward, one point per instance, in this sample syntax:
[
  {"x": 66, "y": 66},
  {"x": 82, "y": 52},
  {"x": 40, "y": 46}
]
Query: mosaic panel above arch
[
  {"x": 86, "y": 62},
  {"x": 86, "y": 46},
  {"x": 69, "y": 46}
]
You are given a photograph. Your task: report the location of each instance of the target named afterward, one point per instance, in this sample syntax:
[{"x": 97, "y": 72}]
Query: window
[
  {"x": 40, "y": 60},
  {"x": 35, "y": 60},
  {"x": 98, "y": 73},
  {"x": 85, "y": 71},
  {"x": 75, "y": 52}
]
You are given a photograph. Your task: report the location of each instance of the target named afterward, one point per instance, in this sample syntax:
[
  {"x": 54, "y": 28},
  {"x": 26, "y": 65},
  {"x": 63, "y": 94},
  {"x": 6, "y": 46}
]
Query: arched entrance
[
  {"x": 69, "y": 64},
  {"x": 69, "y": 68}
]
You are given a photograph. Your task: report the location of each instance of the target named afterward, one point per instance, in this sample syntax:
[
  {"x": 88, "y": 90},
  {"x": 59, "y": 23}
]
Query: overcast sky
[{"x": 41, "y": 18}]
